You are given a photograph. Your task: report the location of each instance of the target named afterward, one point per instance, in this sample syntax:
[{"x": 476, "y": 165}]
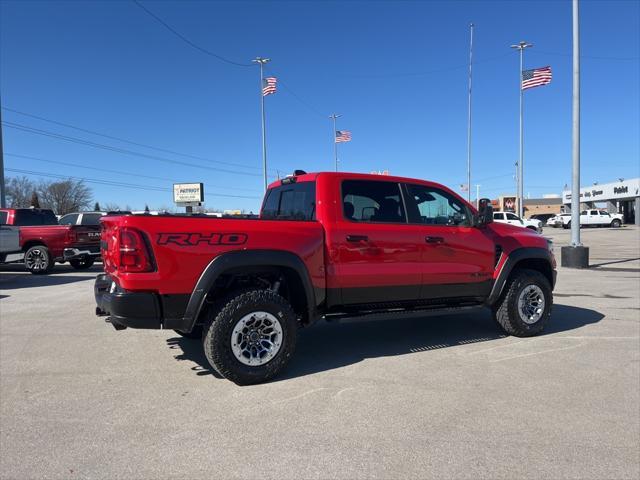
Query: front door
[
  {"x": 376, "y": 252},
  {"x": 457, "y": 258}
]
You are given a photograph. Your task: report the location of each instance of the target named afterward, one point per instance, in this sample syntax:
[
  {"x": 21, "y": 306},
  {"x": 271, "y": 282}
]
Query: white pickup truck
[
  {"x": 10, "y": 250},
  {"x": 513, "y": 219},
  {"x": 590, "y": 218}
]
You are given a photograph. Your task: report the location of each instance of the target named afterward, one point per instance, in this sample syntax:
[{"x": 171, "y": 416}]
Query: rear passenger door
[
  {"x": 375, "y": 251},
  {"x": 457, "y": 258}
]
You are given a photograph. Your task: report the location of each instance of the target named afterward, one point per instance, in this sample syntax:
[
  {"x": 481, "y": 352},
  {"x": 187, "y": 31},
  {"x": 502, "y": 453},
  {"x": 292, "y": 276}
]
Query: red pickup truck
[
  {"x": 44, "y": 242},
  {"x": 326, "y": 245}
]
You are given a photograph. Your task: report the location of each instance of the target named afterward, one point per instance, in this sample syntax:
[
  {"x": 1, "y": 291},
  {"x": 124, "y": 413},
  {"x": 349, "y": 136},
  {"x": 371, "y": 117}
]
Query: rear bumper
[
  {"x": 81, "y": 252},
  {"x": 148, "y": 310}
]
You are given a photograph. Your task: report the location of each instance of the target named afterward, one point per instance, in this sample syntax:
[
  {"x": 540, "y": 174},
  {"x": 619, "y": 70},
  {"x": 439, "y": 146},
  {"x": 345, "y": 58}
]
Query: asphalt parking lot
[{"x": 437, "y": 397}]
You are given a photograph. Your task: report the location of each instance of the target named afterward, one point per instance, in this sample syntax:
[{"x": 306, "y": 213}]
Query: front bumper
[{"x": 83, "y": 252}]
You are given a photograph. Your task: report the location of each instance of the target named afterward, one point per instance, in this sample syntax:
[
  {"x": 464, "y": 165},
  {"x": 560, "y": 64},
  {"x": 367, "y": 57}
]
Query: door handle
[
  {"x": 434, "y": 239},
  {"x": 357, "y": 238}
]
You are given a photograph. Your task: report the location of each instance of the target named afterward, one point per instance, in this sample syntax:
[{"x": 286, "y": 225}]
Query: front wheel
[
  {"x": 525, "y": 306},
  {"x": 81, "y": 264},
  {"x": 252, "y": 337},
  {"x": 38, "y": 260},
  {"x": 615, "y": 223}
]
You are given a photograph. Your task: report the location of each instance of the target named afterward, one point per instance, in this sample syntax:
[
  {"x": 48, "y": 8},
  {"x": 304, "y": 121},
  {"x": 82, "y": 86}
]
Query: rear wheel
[
  {"x": 567, "y": 225},
  {"x": 615, "y": 223},
  {"x": 81, "y": 263},
  {"x": 252, "y": 337},
  {"x": 525, "y": 305},
  {"x": 38, "y": 260}
]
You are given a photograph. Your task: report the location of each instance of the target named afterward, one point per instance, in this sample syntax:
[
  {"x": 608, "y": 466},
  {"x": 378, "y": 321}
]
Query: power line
[
  {"x": 296, "y": 96},
  {"x": 430, "y": 72},
  {"x": 111, "y": 137},
  {"x": 592, "y": 57},
  {"x": 117, "y": 184},
  {"x": 80, "y": 141},
  {"x": 75, "y": 165},
  {"x": 186, "y": 40}
]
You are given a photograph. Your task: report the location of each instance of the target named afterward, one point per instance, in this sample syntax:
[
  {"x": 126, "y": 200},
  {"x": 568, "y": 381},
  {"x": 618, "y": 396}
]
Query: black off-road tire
[
  {"x": 81, "y": 264},
  {"x": 196, "y": 333},
  {"x": 44, "y": 254},
  {"x": 218, "y": 332},
  {"x": 506, "y": 312},
  {"x": 615, "y": 223}
]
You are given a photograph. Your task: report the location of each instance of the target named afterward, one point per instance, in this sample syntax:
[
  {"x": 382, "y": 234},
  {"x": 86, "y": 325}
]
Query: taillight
[
  {"x": 71, "y": 236},
  {"x": 134, "y": 255}
]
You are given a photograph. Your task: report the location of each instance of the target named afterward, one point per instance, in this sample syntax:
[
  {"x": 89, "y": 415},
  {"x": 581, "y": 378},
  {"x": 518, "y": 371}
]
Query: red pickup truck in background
[
  {"x": 44, "y": 242},
  {"x": 327, "y": 245}
]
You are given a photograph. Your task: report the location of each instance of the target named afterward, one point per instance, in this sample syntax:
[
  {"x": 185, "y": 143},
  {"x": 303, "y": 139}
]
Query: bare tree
[
  {"x": 111, "y": 207},
  {"x": 19, "y": 191},
  {"x": 35, "y": 202},
  {"x": 65, "y": 196}
]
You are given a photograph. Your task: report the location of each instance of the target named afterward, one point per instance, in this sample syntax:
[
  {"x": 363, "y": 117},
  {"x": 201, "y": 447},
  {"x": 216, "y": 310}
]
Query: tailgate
[{"x": 86, "y": 235}]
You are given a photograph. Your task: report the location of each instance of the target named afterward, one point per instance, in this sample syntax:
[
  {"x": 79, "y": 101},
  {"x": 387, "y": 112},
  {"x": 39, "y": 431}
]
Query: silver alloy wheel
[
  {"x": 36, "y": 259},
  {"x": 256, "y": 338},
  {"x": 531, "y": 304}
]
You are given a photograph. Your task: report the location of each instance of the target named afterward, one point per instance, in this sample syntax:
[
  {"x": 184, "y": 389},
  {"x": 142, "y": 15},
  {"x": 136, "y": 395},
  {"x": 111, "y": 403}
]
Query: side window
[
  {"x": 584, "y": 212},
  {"x": 497, "y": 216},
  {"x": 511, "y": 216},
  {"x": 371, "y": 201},
  {"x": 91, "y": 219},
  {"x": 69, "y": 219},
  {"x": 433, "y": 206},
  {"x": 293, "y": 201}
]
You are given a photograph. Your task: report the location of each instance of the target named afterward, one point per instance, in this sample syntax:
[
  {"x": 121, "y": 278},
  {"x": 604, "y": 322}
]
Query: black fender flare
[
  {"x": 247, "y": 258},
  {"x": 513, "y": 258}
]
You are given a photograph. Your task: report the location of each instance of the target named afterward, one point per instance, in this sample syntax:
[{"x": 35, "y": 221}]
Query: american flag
[
  {"x": 268, "y": 86},
  {"x": 536, "y": 77},
  {"x": 343, "y": 136}
]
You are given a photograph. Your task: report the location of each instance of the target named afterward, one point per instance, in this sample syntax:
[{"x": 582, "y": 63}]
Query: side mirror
[{"x": 485, "y": 212}]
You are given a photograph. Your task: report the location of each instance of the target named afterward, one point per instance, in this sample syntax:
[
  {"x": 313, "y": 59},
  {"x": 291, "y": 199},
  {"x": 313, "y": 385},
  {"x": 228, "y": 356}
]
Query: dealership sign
[
  {"x": 606, "y": 191},
  {"x": 188, "y": 194}
]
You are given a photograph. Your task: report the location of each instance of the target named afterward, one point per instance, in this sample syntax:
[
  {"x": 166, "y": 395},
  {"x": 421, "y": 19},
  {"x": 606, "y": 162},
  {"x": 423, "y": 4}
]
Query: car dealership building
[{"x": 622, "y": 197}]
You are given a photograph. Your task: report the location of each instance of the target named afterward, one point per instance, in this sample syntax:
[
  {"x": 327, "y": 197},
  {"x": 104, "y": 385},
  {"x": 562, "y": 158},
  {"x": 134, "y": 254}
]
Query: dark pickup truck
[
  {"x": 326, "y": 245},
  {"x": 44, "y": 242}
]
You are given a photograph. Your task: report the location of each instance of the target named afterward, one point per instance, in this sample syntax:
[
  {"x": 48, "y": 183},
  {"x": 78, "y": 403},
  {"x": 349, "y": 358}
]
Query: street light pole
[
  {"x": 478, "y": 196},
  {"x": 261, "y": 61},
  {"x": 335, "y": 144},
  {"x": 3, "y": 200},
  {"x": 469, "y": 116},
  {"x": 521, "y": 46},
  {"x": 576, "y": 255}
]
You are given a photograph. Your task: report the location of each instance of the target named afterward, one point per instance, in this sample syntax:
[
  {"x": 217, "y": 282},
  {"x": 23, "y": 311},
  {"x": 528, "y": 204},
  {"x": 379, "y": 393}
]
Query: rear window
[
  {"x": 26, "y": 217},
  {"x": 294, "y": 201},
  {"x": 91, "y": 218}
]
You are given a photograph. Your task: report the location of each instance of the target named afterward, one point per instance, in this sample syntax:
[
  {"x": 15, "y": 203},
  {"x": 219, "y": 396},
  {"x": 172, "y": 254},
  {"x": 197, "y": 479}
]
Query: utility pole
[
  {"x": 261, "y": 61},
  {"x": 3, "y": 200},
  {"x": 469, "y": 116},
  {"x": 478, "y": 196},
  {"x": 575, "y": 255},
  {"x": 521, "y": 46},
  {"x": 334, "y": 116}
]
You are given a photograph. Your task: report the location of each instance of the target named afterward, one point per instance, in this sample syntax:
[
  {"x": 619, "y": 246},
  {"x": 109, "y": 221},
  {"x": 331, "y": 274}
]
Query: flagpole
[
  {"x": 469, "y": 116},
  {"x": 335, "y": 143},
  {"x": 521, "y": 46},
  {"x": 261, "y": 61}
]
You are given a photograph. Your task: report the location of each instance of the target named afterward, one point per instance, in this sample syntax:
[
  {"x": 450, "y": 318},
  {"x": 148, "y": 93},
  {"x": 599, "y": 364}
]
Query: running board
[{"x": 347, "y": 317}]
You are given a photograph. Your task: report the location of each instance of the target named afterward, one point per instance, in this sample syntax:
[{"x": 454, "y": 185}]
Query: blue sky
[{"x": 396, "y": 71}]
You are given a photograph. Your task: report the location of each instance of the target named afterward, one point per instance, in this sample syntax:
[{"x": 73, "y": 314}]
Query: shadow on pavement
[
  {"x": 15, "y": 276},
  {"x": 328, "y": 346}
]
